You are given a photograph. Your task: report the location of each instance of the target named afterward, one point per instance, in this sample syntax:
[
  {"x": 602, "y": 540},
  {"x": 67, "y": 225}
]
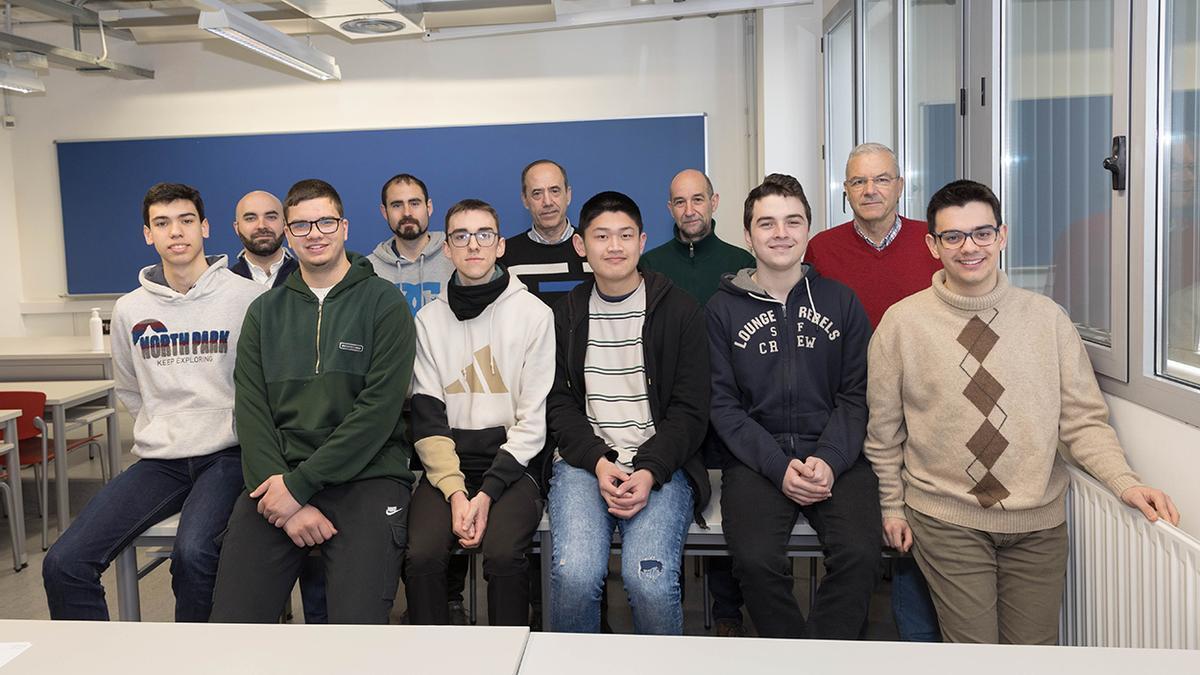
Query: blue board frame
[{"x": 102, "y": 182}]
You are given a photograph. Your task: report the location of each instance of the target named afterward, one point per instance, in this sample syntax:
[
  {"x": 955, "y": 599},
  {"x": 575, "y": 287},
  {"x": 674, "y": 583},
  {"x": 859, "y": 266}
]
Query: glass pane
[
  {"x": 931, "y": 100},
  {"x": 839, "y": 110},
  {"x": 1179, "y": 316},
  {"x": 879, "y": 72},
  {"x": 1057, "y": 130}
]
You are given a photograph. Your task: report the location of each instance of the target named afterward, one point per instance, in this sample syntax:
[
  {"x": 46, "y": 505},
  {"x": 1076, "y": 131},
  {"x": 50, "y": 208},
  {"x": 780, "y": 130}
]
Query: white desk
[
  {"x": 202, "y": 649},
  {"x": 16, "y": 520},
  {"x": 558, "y": 653},
  {"x": 63, "y": 357},
  {"x": 61, "y": 397}
]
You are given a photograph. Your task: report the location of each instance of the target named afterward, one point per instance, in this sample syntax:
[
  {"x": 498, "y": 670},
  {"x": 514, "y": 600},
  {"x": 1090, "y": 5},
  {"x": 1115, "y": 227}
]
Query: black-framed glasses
[
  {"x": 982, "y": 236},
  {"x": 326, "y": 225},
  {"x": 462, "y": 238}
]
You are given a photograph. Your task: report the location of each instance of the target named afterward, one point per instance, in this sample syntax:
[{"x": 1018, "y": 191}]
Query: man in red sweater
[
  {"x": 883, "y": 258},
  {"x": 880, "y": 254}
]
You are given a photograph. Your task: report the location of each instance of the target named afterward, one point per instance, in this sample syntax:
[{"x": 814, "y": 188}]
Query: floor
[{"x": 23, "y": 598}]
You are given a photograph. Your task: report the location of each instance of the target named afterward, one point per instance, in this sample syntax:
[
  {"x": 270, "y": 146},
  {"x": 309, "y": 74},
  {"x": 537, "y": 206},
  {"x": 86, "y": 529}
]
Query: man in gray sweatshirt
[
  {"x": 412, "y": 257},
  {"x": 173, "y": 347}
]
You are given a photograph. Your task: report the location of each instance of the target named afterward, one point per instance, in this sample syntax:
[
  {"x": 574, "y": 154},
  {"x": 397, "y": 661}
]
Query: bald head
[
  {"x": 692, "y": 202},
  {"x": 258, "y": 221}
]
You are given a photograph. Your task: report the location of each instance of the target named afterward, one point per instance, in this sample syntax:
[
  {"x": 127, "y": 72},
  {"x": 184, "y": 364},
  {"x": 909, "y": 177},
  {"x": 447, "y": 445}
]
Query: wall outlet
[{"x": 10, "y": 122}]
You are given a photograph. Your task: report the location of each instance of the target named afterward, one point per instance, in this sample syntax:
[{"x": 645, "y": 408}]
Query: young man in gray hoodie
[
  {"x": 412, "y": 257},
  {"x": 173, "y": 348}
]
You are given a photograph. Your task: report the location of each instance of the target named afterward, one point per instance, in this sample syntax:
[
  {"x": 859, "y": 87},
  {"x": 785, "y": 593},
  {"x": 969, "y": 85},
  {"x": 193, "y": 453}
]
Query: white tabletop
[
  {"x": 65, "y": 392},
  {"x": 6, "y": 415},
  {"x": 559, "y": 653},
  {"x": 51, "y": 348},
  {"x": 183, "y": 649}
]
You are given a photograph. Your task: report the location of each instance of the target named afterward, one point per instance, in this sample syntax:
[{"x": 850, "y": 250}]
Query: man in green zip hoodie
[{"x": 321, "y": 375}]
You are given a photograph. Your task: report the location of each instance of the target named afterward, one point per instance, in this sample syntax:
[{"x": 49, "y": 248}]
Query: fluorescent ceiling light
[
  {"x": 19, "y": 80},
  {"x": 252, "y": 34}
]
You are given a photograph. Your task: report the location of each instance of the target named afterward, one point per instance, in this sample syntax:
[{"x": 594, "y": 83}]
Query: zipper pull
[{"x": 691, "y": 249}]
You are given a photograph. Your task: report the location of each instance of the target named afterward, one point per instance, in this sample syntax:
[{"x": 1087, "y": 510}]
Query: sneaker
[
  {"x": 458, "y": 614},
  {"x": 730, "y": 628}
]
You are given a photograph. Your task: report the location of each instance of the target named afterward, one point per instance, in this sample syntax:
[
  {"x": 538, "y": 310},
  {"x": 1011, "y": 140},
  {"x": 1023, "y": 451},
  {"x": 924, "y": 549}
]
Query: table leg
[
  {"x": 545, "y": 546},
  {"x": 112, "y": 426},
  {"x": 17, "y": 517},
  {"x": 60, "y": 468},
  {"x": 129, "y": 607}
]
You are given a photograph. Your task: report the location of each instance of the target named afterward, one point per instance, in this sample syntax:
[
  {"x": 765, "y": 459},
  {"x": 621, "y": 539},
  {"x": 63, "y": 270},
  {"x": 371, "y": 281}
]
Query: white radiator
[{"x": 1130, "y": 582}]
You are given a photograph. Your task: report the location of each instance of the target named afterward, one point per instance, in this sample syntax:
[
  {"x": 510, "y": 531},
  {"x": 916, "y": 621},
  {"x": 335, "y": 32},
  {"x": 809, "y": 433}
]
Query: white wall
[
  {"x": 689, "y": 66},
  {"x": 10, "y": 252}
]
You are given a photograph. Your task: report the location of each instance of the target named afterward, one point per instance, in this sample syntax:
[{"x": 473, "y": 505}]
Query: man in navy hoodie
[{"x": 796, "y": 436}]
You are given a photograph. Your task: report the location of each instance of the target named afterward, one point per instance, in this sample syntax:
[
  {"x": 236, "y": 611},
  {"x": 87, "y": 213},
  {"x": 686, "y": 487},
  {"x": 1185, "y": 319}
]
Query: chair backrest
[{"x": 31, "y": 404}]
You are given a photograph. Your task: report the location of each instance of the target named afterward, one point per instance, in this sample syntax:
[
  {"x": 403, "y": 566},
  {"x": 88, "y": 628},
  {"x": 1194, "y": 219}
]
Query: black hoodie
[
  {"x": 677, "y": 382},
  {"x": 789, "y": 380}
]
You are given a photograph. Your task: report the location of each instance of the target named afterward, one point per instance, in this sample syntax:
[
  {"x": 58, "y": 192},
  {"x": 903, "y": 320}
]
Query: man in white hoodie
[
  {"x": 412, "y": 257},
  {"x": 173, "y": 347},
  {"x": 485, "y": 364}
]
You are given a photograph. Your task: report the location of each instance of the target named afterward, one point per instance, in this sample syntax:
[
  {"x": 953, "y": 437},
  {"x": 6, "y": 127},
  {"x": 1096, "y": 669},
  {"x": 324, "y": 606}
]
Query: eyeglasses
[
  {"x": 462, "y": 238},
  {"x": 982, "y": 236},
  {"x": 326, "y": 225},
  {"x": 882, "y": 182}
]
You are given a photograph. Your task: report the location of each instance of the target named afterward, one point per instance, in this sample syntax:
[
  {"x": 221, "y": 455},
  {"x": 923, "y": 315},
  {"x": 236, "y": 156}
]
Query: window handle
[{"x": 1115, "y": 164}]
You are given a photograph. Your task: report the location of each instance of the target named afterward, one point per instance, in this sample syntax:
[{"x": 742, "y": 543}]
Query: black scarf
[{"x": 468, "y": 302}]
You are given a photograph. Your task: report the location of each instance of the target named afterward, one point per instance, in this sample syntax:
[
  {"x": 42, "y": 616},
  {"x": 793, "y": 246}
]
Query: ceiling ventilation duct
[{"x": 361, "y": 19}]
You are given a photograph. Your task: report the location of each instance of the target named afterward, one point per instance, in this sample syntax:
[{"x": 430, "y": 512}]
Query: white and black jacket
[{"x": 480, "y": 384}]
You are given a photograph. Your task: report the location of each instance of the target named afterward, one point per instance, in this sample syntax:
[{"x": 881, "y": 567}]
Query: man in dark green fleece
[
  {"x": 695, "y": 258},
  {"x": 321, "y": 373}
]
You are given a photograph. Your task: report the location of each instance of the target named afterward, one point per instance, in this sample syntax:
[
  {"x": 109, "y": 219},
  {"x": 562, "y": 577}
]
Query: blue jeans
[
  {"x": 916, "y": 618},
  {"x": 651, "y": 551},
  {"x": 203, "y": 488}
]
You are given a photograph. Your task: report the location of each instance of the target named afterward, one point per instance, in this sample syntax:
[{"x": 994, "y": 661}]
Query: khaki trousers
[{"x": 990, "y": 587}]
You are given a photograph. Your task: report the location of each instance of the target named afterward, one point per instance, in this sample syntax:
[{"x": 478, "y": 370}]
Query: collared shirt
[
  {"x": 887, "y": 238},
  {"x": 533, "y": 234},
  {"x": 266, "y": 278}
]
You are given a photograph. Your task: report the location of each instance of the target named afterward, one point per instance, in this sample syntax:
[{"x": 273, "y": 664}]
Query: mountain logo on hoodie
[
  {"x": 140, "y": 328},
  {"x": 482, "y": 370},
  {"x": 163, "y": 343}
]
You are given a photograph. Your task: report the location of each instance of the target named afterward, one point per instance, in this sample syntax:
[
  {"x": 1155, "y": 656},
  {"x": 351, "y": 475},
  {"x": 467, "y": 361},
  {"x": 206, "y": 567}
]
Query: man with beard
[
  {"x": 258, "y": 222},
  {"x": 412, "y": 257}
]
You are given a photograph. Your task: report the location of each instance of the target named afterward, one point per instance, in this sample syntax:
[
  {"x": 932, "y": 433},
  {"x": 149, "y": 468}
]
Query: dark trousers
[
  {"x": 726, "y": 593},
  {"x": 758, "y": 519},
  {"x": 512, "y": 521},
  {"x": 202, "y": 489},
  {"x": 260, "y": 564}
]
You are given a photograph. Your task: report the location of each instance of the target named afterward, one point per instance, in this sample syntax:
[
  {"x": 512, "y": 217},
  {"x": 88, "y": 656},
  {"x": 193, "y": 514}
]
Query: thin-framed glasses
[
  {"x": 882, "y": 181},
  {"x": 485, "y": 238},
  {"x": 982, "y": 236},
  {"x": 326, "y": 225}
]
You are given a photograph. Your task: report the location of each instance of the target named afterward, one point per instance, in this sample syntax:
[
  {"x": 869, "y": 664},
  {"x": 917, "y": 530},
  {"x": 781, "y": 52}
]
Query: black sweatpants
[
  {"x": 259, "y": 563},
  {"x": 512, "y": 520},
  {"x": 758, "y": 519}
]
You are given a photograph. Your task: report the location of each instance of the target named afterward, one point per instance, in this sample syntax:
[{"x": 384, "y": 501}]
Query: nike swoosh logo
[{"x": 391, "y": 511}]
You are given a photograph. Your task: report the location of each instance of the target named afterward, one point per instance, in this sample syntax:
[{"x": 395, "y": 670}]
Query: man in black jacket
[
  {"x": 628, "y": 411},
  {"x": 258, "y": 222},
  {"x": 789, "y": 369}
]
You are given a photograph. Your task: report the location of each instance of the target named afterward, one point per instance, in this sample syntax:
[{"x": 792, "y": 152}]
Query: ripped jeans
[{"x": 651, "y": 552}]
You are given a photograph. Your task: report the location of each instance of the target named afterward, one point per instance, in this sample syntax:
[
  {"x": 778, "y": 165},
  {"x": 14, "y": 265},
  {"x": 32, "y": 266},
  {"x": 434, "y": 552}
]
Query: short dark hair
[
  {"x": 609, "y": 202},
  {"x": 165, "y": 193},
  {"x": 529, "y": 166},
  {"x": 402, "y": 178},
  {"x": 776, "y": 184},
  {"x": 961, "y": 193},
  {"x": 312, "y": 188},
  {"x": 473, "y": 205}
]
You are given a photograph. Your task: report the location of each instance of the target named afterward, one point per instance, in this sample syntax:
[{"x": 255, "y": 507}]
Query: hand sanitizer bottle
[{"x": 96, "y": 330}]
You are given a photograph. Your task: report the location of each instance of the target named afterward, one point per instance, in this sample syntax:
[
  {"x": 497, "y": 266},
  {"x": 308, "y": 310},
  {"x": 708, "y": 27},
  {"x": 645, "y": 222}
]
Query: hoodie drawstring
[{"x": 808, "y": 287}]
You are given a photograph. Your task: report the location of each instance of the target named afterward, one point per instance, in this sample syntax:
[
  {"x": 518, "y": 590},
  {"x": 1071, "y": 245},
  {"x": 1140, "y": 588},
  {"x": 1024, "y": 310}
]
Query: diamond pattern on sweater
[{"x": 983, "y": 390}]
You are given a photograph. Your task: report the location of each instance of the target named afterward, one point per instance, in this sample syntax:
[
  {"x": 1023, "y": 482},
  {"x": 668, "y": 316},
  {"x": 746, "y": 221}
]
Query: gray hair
[{"x": 871, "y": 149}]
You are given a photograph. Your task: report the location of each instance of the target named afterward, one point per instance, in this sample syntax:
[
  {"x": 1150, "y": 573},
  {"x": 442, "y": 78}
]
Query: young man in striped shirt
[{"x": 628, "y": 410}]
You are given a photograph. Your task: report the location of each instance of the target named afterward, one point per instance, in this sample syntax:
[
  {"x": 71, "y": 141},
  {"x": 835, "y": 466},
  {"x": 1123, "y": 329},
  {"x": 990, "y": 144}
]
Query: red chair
[{"x": 34, "y": 450}]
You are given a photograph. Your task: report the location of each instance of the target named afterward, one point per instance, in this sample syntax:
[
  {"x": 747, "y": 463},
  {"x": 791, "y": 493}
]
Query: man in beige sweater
[{"x": 972, "y": 385}]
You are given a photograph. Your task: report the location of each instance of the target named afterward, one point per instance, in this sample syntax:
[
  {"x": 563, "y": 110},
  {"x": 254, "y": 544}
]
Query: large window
[
  {"x": 1057, "y": 129},
  {"x": 879, "y": 72},
  {"x": 1178, "y": 320},
  {"x": 931, "y": 56},
  {"x": 839, "y": 109}
]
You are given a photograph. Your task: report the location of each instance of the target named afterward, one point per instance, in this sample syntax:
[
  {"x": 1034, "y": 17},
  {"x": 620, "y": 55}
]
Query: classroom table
[
  {"x": 58, "y": 357},
  {"x": 16, "y": 519},
  {"x": 61, "y": 397},
  {"x": 121, "y": 648},
  {"x": 558, "y": 653}
]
